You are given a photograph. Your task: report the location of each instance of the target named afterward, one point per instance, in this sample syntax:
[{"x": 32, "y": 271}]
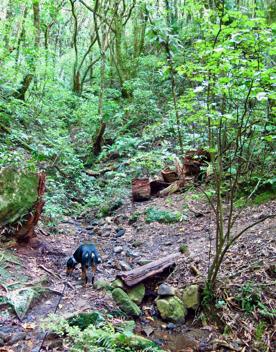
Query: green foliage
[
  {"x": 260, "y": 329},
  {"x": 101, "y": 337},
  {"x": 162, "y": 216},
  {"x": 183, "y": 248},
  {"x": 83, "y": 320},
  {"x": 134, "y": 217},
  {"x": 251, "y": 300}
]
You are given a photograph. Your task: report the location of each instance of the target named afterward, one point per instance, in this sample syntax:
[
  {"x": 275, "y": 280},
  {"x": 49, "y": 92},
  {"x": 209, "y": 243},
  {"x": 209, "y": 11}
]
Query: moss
[
  {"x": 125, "y": 303},
  {"x": 18, "y": 193},
  {"x": 137, "y": 293},
  {"x": 259, "y": 199},
  {"x": 183, "y": 248},
  {"x": 162, "y": 216}
]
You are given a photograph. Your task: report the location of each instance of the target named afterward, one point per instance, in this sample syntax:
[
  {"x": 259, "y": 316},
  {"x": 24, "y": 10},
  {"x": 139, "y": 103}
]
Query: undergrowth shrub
[
  {"x": 99, "y": 336},
  {"x": 162, "y": 216}
]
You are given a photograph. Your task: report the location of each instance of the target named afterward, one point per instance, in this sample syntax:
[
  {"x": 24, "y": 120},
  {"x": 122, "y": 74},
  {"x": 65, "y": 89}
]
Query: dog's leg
[
  {"x": 94, "y": 269},
  {"x": 84, "y": 274}
]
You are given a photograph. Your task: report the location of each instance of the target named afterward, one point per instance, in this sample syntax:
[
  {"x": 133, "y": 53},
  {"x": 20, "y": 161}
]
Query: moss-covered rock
[
  {"x": 125, "y": 303},
  {"x": 190, "y": 296},
  {"x": 103, "y": 285},
  {"x": 136, "y": 342},
  {"x": 137, "y": 293},
  {"x": 18, "y": 193},
  {"x": 171, "y": 308},
  {"x": 117, "y": 284}
]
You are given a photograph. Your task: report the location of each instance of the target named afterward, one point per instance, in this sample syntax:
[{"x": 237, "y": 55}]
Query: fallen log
[
  {"x": 169, "y": 175},
  {"x": 137, "y": 275},
  {"x": 156, "y": 186},
  {"x": 173, "y": 188},
  {"x": 140, "y": 189}
]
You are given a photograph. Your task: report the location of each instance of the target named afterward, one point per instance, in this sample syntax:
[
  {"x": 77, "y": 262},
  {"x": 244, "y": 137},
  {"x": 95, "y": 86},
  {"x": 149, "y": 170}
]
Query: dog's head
[{"x": 71, "y": 264}]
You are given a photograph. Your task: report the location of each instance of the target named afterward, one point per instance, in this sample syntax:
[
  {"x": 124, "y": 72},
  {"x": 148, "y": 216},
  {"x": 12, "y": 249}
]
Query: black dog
[{"x": 86, "y": 255}]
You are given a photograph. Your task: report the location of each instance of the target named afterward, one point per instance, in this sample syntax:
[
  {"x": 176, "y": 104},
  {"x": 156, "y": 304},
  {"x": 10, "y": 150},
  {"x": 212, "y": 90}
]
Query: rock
[
  {"x": 56, "y": 344},
  {"x": 171, "y": 308},
  {"x": 124, "y": 265},
  {"x": 17, "y": 337},
  {"x": 148, "y": 330},
  {"x": 118, "y": 249},
  {"x": 143, "y": 261},
  {"x": 166, "y": 290},
  {"x": 190, "y": 296},
  {"x": 125, "y": 303},
  {"x": 171, "y": 326},
  {"x": 168, "y": 243},
  {"x": 120, "y": 232},
  {"x": 117, "y": 284},
  {"x": 102, "y": 284},
  {"x": 5, "y": 336},
  {"x": 2, "y": 343},
  {"x": 133, "y": 254},
  {"x": 137, "y": 243},
  {"x": 137, "y": 293}
]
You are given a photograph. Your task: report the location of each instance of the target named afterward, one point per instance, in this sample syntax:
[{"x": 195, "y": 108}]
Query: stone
[
  {"x": 2, "y": 343},
  {"x": 137, "y": 293},
  {"x": 148, "y": 330},
  {"x": 117, "y": 284},
  {"x": 118, "y": 249},
  {"x": 166, "y": 290},
  {"x": 120, "y": 232},
  {"x": 171, "y": 308},
  {"x": 125, "y": 303},
  {"x": 19, "y": 336},
  {"x": 5, "y": 336},
  {"x": 190, "y": 296},
  {"x": 102, "y": 284},
  {"x": 94, "y": 222},
  {"x": 143, "y": 261},
  {"x": 133, "y": 254},
  {"x": 124, "y": 265},
  {"x": 171, "y": 326}
]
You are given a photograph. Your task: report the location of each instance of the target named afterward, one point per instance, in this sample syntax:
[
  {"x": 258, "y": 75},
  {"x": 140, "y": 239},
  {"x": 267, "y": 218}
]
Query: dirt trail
[{"x": 139, "y": 242}]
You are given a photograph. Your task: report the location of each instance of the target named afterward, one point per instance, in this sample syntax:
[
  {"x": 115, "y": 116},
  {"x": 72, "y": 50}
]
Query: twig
[{"x": 49, "y": 271}]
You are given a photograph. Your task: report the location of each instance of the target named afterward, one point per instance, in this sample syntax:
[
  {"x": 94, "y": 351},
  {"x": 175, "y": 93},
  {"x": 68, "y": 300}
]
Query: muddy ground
[{"x": 249, "y": 260}]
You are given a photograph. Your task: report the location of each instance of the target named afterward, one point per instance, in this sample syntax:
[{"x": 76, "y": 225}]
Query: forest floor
[{"x": 250, "y": 260}]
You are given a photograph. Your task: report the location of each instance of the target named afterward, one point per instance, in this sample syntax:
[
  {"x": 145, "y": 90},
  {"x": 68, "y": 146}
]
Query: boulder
[
  {"x": 125, "y": 303},
  {"x": 190, "y": 296},
  {"x": 117, "y": 284},
  {"x": 166, "y": 290},
  {"x": 137, "y": 293},
  {"x": 171, "y": 308}
]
